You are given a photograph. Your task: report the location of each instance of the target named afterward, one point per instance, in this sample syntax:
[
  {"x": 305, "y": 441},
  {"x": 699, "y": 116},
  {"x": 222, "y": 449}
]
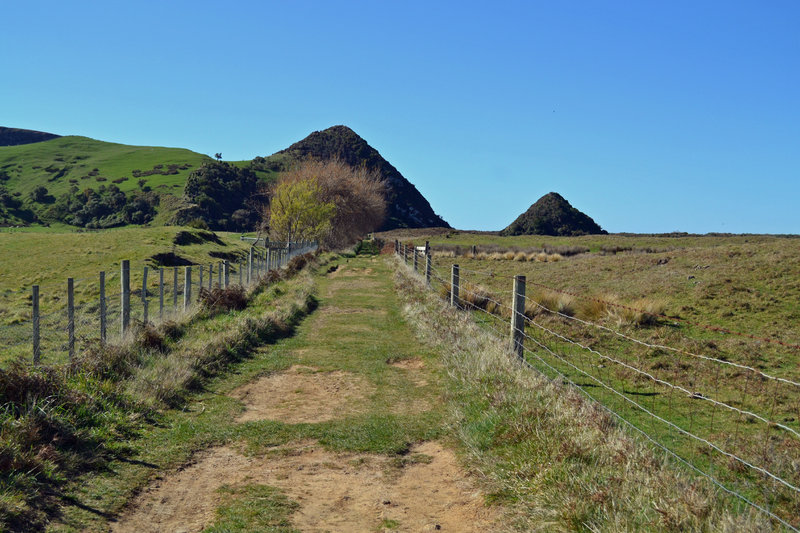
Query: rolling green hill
[{"x": 65, "y": 161}]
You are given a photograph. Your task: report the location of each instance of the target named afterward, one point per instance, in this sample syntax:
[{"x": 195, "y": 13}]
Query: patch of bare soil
[
  {"x": 426, "y": 491},
  {"x": 413, "y": 368},
  {"x": 303, "y": 394}
]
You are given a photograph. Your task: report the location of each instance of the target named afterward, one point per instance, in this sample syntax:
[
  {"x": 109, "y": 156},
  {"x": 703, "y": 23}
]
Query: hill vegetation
[
  {"x": 406, "y": 207},
  {"x": 48, "y": 182},
  {"x": 552, "y": 215}
]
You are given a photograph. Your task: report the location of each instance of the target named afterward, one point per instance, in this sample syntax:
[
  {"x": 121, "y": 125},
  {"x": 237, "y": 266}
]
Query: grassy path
[{"x": 339, "y": 428}]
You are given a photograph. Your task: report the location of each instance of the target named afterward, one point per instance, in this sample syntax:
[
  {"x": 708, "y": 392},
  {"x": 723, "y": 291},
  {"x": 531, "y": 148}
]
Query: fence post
[
  {"x": 144, "y": 295},
  {"x": 174, "y": 288},
  {"x": 250, "y": 266},
  {"x": 125, "y": 290},
  {"x": 219, "y": 274},
  {"x": 210, "y": 276},
  {"x": 427, "y": 247},
  {"x": 161, "y": 293},
  {"x": 416, "y": 254},
  {"x": 474, "y": 250},
  {"x": 428, "y": 269},
  {"x": 454, "y": 284},
  {"x": 241, "y": 280},
  {"x": 200, "y": 279},
  {"x": 35, "y": 300},
  {"x": 71, "y": 317},
  {"x": 227, "y": 271},
  {"x": 518, "y": 317},
  {"x": 103, "y": 307},
  {"x": 187, "y": 288},
  {"x": 405, "y": 253}
]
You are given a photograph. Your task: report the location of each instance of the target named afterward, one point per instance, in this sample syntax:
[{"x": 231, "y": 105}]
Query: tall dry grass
[{"x": 557, "y": 460}]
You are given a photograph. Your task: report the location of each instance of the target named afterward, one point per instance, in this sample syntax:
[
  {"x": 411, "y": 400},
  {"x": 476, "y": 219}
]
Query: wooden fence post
[
  {"x": 241, "y": 278},
  {"x": 210, "y": 276},
  {"x": 71, "y": 317},
  {"x": 454, "y": 284},
  {"x": 405, "y": 253},
  {"x": 160, "y": 293},
  {"x": 187, "y": 288},
  {"x": 428, "y": 269},
  {"x": 250, "y": 266},
  {"x": 227, "y": 272},
  {"x": 427, "y": 247},
  {"x": 219, "y": 274},
  {"x": 174, "y": 288},
  {"x": 474, "y": 250},
  {"x": 103, "y": 307},
  {"x": 416, "y": 255},
  {"x": 144, "y": 295},
  {"x": 518, "y": 317},
  {"x": 125, "y": 293},
  {"x": 200, "y": 279},
  {"x": 36, "y": 347},
  {"x": 396, "y": 247}
]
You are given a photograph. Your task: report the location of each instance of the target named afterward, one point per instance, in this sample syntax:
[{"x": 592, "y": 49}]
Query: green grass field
[
  {"x": 87, "y": 163},
  {"x": 747, "y": 284}
]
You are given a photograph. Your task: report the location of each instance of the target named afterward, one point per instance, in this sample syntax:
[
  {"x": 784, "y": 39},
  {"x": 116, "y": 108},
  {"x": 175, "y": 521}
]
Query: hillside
[
  {"x": 72, "y": 162},
  {"x": 16, "y": 136},
  {"x": 553, "y": 215},
  {"x": 407, "y": 208},
  {"x": 46, "y": 181}
]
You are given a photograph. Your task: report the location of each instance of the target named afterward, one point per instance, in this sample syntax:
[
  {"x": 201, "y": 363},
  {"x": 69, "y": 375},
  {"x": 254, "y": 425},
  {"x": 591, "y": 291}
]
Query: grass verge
[{"x": 559, "y": 461}]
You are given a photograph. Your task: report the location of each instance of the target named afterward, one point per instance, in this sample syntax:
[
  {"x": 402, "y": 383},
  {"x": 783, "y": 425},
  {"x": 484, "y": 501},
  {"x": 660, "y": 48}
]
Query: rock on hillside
[
  {"x": 406, "y": 207},
  {"x": 16, "y": 136},
  {"x": 552, "y": 215}
]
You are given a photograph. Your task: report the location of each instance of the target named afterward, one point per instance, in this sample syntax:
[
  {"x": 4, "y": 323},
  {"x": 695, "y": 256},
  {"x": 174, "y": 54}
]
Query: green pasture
[{"x": 61, "y": 163}]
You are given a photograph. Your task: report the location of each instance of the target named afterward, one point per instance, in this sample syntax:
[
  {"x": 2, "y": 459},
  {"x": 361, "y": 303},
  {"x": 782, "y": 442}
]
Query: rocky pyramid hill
[
  {"x": 406, "y": 207},
  {"x": 553, "y": 215}
]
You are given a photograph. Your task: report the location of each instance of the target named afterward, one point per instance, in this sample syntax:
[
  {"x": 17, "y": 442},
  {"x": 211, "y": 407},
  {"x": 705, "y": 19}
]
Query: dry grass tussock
[{"x": 558, "y": 460}]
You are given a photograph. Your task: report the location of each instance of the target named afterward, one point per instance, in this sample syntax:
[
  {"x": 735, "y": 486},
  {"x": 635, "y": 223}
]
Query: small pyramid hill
[
  {"x": 406, "y": 207},
  {"x": 553, "y": 215},
  {"x": 16, "y": 136}
]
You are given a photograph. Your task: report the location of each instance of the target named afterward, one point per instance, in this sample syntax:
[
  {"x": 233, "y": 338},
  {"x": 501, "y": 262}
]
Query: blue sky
[{"x": 648, "y": 116}]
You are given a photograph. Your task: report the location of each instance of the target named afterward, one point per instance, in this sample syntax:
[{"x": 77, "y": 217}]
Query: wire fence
[
  {"x": 732, "y": 422},
  {"x": 92, "y": 311}
]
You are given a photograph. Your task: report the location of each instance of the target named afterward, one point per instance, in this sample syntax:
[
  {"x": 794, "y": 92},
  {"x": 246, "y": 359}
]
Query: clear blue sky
[{"x": 648, "y": 116}]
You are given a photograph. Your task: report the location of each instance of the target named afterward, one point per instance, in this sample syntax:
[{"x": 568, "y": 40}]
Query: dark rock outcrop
[
  {"x": 16, "y": 136},
  {"x": 553, "y": 215}
]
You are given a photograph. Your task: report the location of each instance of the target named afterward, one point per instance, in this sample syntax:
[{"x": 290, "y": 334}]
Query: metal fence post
[
  {"x": 103, "y": 307},
  {"x": 35, "y": 301},
  {"x": 454, "y": 282},
  {"x": 125, "y": 290},
  {"x": 187, "y": 288},
  {"x": 518, "y": 317}
]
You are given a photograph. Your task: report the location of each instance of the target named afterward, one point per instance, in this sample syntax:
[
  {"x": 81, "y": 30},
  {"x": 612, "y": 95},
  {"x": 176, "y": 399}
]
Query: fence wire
[
  {"x": 751, "y": 455},
  {"x": 151, "y": 302}
]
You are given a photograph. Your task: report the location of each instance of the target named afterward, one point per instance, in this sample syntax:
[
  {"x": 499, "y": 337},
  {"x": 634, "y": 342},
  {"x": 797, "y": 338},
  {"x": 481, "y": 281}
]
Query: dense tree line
[
  {"x": 223, "y": 195},
  {"x": 105, "y": 207}
]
